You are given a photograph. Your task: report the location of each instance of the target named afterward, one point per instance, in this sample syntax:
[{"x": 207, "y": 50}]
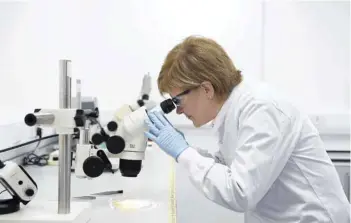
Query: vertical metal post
[
  {"x": 64, "y": 189},
  {"x": 84, "y": 134},
  {"x": 79, "y": 94},
  {"x": 83, "y": 131}
]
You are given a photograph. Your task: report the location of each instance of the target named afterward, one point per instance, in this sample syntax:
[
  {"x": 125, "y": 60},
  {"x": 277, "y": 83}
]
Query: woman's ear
[{"x": 208, "y": 89}]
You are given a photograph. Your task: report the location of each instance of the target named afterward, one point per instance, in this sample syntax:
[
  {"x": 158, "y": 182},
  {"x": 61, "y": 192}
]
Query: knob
[
  {"x": 97, "y": 139},
  {"x": 29, "y": 192},
  {"x": 112, "y": 126},
  {"x": 93, "y": 166},
  {"x": 115, "y": 144}
]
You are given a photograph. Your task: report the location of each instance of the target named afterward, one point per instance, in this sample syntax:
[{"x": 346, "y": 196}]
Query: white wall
[
  {"x": 32, "y": 40},
  {"x": 114, "y": 43},
  {"x": 307, "y": 53}
]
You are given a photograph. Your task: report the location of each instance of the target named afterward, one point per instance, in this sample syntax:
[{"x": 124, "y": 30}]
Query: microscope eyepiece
[
  {"x": 141, "y": 103},
  {"x": 145, "y": 97},
  {"x": 167, "y": 106}
]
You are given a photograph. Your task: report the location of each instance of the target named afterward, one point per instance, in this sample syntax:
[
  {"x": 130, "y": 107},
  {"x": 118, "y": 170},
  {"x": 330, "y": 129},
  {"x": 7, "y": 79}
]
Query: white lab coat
[{"x": 271, "y": 163}]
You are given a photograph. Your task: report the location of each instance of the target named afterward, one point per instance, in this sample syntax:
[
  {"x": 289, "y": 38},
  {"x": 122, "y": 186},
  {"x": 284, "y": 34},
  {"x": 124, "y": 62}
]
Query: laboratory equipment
[
  {"x": 125, "y": 138},
  {"x": 84, "y": 102},
  {"x": 19, "y": 184},
  {"x": 91, "y": 161},
  {"x": 144, "y": 100},
  {"x": 65, "y": 121}
]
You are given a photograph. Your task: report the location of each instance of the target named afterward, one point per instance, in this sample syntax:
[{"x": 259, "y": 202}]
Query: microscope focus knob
[
  {"x": 115, "y": 144},
  {"x": 29, "y": 192},
  {"x": 97, "y": 139},
  {"x": 112, "y": 126},
  {"x": 93, "y": 166}
]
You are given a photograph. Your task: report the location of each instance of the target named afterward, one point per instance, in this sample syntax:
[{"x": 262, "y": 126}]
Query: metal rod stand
[
  {"x": 83, "y": 131},
  {"x": 64, "y": 188},
  {"x": 78, "y": 94}
]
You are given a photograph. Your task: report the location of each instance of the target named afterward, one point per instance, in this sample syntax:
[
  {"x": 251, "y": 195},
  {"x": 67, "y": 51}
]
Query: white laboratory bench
[{"x": 153, "y": 184}]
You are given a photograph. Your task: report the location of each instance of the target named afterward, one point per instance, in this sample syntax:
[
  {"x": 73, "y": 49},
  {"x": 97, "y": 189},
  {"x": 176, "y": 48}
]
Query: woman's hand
[{"x": 165, "y": 135}]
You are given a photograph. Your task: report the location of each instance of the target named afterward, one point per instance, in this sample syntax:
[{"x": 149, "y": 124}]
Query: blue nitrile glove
[{"x": 165, "y": 135}]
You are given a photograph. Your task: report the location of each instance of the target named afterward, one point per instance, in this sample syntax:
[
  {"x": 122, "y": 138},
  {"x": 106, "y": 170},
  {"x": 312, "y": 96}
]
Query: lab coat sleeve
[
  {"x": 264, "y": 143},
  {"x": 217, "y": 156}
]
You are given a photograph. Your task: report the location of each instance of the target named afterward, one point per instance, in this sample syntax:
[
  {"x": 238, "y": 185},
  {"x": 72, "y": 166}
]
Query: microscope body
[
  {"x": 125, "y": 135},
  {"x": 125, "y": 140},
  {"x": 128, "y": 142}
]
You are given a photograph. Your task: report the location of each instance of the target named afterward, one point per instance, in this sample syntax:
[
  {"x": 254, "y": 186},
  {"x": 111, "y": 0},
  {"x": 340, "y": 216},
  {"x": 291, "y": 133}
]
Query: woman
[{"x": 271, "y": 163}]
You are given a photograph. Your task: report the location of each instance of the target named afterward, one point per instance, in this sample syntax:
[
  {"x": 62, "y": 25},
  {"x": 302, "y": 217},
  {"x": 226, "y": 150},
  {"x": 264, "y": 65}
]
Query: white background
[
  {"x": 308, "y": 43},
  {"x": 300, "y": 47}
]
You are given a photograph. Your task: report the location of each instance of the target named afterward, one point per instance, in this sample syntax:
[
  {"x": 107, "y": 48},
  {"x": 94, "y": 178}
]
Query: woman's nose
[{"x": 179, "y": 110}]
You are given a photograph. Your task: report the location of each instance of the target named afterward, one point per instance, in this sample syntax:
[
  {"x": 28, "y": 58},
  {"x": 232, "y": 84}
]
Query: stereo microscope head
[{"x": 126, "y": 139}]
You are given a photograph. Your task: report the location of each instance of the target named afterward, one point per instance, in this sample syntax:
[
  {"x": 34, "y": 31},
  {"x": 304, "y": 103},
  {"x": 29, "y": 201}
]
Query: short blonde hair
[{"x": 195, "y": 60}]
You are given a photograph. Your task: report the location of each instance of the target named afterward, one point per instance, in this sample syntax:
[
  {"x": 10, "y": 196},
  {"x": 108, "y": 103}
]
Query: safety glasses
[{"x": 177, "y": 100}]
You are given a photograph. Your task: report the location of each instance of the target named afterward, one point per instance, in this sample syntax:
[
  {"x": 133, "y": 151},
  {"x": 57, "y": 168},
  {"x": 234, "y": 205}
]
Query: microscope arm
[{"x": 89, "y": 160}]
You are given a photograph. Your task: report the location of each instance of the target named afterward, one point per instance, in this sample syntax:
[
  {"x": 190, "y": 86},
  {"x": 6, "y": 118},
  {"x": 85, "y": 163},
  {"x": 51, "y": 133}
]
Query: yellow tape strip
[{"x": 172, "y": 194}]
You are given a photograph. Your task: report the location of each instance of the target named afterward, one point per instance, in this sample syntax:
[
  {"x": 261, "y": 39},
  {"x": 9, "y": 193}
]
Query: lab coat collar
[{"x": 220, "y": 118}]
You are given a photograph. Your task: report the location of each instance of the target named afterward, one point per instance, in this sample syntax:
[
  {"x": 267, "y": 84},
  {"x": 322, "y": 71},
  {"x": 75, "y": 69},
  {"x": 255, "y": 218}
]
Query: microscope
[
  {"x": 90, "y": 161},
  {"x": 124, "y": 136},
  {"x": 124, "y": 139}
]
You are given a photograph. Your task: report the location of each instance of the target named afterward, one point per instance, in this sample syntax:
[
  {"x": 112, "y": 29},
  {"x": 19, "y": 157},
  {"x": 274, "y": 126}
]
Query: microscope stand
[
  {"x": 39, "y": 211},
  {"x": 46, "y": 212}
]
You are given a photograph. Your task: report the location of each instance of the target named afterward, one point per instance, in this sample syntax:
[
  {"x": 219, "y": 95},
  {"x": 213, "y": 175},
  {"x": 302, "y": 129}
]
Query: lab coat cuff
[{"x": 191, "y": 159}]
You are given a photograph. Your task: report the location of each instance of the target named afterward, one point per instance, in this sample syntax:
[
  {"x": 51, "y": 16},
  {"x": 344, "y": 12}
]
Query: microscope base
[{"x": 36, "y": 212}]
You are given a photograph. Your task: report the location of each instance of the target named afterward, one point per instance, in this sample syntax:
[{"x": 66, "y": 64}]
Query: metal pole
[
  {"x": 78, "y": 94},
  {"x": 64, "y": 189},
  {"x": 84, "y": 135},
  {"x": 84, "y": 131}
]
